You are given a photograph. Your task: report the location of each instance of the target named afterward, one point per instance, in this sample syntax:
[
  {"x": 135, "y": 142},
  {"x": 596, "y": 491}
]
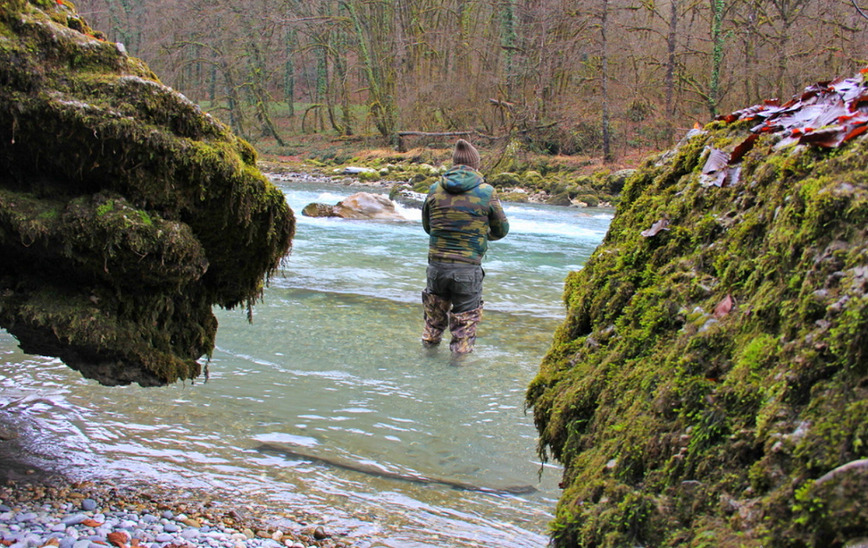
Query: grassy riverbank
[{"x": 519, "y": 174}]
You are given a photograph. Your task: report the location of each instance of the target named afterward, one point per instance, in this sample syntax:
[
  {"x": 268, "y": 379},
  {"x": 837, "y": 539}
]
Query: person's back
[
  {"x": 459, "y": 217},
  {"x": 461, "y": 214}
]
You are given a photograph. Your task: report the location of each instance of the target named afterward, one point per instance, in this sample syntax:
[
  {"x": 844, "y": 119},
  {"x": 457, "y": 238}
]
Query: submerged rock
[
  {"x": 708, "y": 386},
  {"x": 361, "y": 205},
  {"x": 125, "y": 211}
]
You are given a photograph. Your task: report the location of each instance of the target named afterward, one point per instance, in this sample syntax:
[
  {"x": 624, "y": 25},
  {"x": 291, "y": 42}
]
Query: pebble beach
[
  {"x": 41, "y": 507},
  {"x": 81, "y": 515}
]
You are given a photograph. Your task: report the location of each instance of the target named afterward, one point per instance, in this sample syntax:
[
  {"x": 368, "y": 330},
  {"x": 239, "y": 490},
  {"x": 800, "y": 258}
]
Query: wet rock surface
[
  {"x": 126, "y": 212},
  {"x": 361, "y": 205}
]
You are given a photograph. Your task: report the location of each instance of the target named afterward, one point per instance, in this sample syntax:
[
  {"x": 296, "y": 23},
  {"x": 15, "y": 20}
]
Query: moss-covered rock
[
  {"x": 517, "y": 196},
  {"x": 505, "y": 180},
  {"x": 125, "y": 211},
  {"x": 713, "y": 365}
]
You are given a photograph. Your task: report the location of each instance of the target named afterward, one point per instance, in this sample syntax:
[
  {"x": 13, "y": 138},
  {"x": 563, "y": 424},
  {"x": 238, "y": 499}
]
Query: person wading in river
[{"x": 461, "y": 214}]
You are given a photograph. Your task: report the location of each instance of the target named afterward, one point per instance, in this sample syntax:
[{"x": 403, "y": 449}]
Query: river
[{"x": 328, "y": 397}]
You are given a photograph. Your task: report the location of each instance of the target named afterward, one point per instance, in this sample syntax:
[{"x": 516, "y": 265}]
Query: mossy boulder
[
  {"x": 516, "y": 196},
  {"x": 712, "y": 370},
  {"x": 560, "y": 199},
  {"x": 505, "y": 180},
  {"x": 588, "y": 199},
  {"x": 126, "y": 213}
]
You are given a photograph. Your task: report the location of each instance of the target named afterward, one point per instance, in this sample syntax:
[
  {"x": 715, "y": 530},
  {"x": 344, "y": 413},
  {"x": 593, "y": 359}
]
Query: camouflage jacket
[{"x": 461, "y": 214}]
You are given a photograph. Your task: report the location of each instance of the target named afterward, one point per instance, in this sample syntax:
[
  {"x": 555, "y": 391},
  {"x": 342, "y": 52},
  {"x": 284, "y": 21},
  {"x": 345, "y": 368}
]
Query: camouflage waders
[
  {"x": 463, "y": 328},
  {"x": 436, "y": 311},
  {"x": 461, "y": 214}
]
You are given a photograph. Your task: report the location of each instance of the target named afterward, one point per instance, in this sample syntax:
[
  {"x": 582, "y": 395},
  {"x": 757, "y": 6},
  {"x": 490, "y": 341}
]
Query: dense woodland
[{"x": 573, "y": 76}]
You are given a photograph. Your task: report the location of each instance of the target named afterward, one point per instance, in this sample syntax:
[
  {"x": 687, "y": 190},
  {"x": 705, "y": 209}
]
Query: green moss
[
  {"x": 714, "y": 415},
  {"x": 105, "y": 208},
  {"x": 124, "y": 203}
]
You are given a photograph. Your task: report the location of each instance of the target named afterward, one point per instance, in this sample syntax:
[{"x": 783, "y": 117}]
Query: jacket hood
[{"x": 461, "y": 179}]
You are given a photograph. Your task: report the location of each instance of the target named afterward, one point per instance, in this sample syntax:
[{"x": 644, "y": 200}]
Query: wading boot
[
  {"x": 436, "y": 313},
  {"x": 463, "y": 328}
]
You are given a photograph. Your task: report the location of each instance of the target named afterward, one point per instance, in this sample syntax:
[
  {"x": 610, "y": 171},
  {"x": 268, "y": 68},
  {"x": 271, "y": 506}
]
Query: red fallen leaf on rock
[
  {"x": 118, "y": 538},
  {"x": 813, "y": 90},
  {"x": 849, "y": 89},
  {"x": 91, "y": 523},
  {"x": 743, "y": 148},
  {"x": 859, "y": 130},
  {"x": 825, "y": 115},
  {"x": 662, "y": 224},
  {"x": 724, "y": 307},
  {"x": 859, "y": 101},
  {"x": 826, "y": 138}
]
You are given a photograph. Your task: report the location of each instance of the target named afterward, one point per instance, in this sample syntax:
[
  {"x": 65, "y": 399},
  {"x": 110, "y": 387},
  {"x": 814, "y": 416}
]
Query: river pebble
[{"x": 85, "y": 516}]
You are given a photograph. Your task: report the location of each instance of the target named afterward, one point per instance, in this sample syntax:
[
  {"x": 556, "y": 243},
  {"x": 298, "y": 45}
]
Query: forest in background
[{"x": 592, "y": 77}]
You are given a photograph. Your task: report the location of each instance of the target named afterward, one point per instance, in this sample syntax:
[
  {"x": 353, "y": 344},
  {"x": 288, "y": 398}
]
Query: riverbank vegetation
[
  {"x": 560, "y": 97},
  {"x": 519, "y": 175},
  {"x": 601, "y": 78}
]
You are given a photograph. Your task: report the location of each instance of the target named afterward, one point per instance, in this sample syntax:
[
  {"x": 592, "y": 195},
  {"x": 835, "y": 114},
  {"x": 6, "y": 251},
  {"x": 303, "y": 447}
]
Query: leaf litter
[{"x": 825, "y": 115}]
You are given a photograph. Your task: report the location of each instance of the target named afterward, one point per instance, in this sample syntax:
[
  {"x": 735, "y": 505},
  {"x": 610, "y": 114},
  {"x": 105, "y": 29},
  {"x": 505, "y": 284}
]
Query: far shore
[{"x": 305, "y": 173}]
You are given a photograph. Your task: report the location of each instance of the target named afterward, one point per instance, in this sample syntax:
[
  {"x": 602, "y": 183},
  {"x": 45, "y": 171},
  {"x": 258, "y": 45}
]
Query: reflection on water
[{"x": 331, "y": 373}]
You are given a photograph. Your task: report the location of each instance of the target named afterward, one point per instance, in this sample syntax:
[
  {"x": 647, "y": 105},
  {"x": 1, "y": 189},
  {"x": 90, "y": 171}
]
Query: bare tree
[{"x": 588, "y": 72}]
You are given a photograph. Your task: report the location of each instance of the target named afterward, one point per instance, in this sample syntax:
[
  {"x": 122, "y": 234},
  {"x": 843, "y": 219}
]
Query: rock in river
[{"x": 361, "y": 205}]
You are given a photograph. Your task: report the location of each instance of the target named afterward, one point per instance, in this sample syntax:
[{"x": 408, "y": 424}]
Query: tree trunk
[
  {"x": 604, "y": 82},
  {"x": 508, "y": 43},
  {"x": 289, "y": 72},
  {"x": 381, "y": 81},
  {"x": 669, "y": 81},
  {"x": 236, "y": 115},
  {"x": 717, "y": 39}
]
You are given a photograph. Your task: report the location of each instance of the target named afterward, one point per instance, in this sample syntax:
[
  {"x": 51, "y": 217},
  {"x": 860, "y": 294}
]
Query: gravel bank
[
  {"x": 82, "y": 515},
  {"x": 41, "y": 508}
]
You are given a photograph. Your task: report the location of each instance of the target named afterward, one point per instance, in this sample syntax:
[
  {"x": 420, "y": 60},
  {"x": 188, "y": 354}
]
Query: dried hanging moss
[
  {"x": 125, "y": 211},
  {"x": 713, "y": 365}
]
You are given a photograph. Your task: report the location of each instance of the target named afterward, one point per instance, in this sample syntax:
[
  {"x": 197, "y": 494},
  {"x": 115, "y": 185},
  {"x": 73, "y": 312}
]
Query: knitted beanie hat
[{"x": 465, "y": 155}]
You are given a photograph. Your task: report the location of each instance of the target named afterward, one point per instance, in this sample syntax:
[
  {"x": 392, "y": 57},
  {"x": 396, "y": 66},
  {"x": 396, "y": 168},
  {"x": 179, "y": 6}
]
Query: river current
[{"x": 327, "y": 400}]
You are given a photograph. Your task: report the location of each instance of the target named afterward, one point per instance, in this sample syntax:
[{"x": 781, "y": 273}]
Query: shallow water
[{"x": 330, "y": 378}]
